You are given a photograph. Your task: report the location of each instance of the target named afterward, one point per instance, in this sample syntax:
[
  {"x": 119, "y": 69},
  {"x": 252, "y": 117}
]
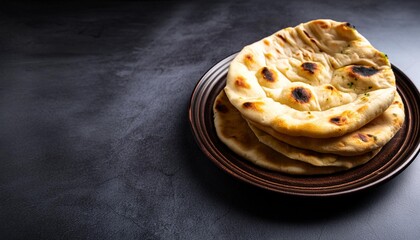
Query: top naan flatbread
[{"x": 320, "y": 79}]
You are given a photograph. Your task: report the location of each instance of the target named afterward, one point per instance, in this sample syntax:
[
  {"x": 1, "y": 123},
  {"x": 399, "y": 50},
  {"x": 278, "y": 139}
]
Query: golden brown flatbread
[
  {"x": 320, "y": 79},
  {"x": 312, "y": 157}
]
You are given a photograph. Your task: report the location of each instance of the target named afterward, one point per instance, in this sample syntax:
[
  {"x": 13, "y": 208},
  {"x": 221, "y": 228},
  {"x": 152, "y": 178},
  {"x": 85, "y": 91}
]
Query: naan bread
[
  {"x": 372, "y": 136},
  {"x": 233, "y": 131},
  {"x": 312, "y": 157},
  {"x": 320, "y": 79}
]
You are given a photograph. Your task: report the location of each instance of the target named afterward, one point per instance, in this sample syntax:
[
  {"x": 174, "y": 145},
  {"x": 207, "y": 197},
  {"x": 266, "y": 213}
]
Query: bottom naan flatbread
[{"x": 311, "y": 157}]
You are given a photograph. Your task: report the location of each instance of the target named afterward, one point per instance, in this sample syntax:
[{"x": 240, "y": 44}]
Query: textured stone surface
[{"x": 94, "y": 135}]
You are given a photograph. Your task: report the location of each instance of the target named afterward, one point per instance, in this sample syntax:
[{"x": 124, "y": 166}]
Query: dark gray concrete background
[{"x": 94, "y": 135}]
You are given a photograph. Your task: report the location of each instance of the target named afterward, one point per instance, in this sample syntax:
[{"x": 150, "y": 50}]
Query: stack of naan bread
[{"x": 314, "y": 99}]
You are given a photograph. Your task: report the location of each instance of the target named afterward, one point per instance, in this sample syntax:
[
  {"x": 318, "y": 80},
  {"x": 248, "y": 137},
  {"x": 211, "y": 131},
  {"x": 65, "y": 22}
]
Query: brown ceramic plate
[{"x": 393, "y": 158}]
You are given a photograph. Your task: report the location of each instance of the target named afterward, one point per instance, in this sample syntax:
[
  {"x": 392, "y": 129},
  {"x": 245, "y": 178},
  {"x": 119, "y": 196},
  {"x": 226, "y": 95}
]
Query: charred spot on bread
[
  {"x": 255, "y": 106},
  {"x": 364, "y": 71},
  {"x": 268, "y": 74},
  {"x": 301, "y": 94},
  {"x": 350, "y": 25},
  {"x": 267, "y": 77},
  {"x": 338, "y": 120},
  {"x": 329, "y": 87},
  {"x": 220, "y": 107},
  {"x": 309, "y": 67},
  {"x": 249, "y": 60},
  {"x": 241, "y": 83},
  {"x": 249, "y": 57}
]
